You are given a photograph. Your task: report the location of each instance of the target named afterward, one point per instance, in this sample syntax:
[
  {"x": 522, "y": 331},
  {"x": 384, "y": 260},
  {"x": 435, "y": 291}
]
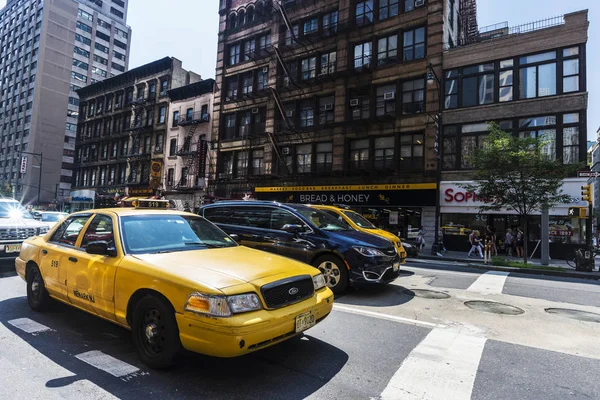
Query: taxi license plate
[
  {"x": 305, "y": 321},
  {"x": 396, "y": 266},
  {"x": 12, "y": 248}
]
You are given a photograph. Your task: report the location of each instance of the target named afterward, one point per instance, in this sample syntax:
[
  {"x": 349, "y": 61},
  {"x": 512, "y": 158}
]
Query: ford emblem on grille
[{"x": 293, "y": 291}]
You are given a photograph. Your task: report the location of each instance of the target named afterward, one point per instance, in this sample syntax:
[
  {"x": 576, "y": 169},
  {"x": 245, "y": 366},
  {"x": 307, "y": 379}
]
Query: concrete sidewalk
[{"x": 556, "y": 267}]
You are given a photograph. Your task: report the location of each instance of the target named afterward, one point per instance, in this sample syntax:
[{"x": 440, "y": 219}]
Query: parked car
[
  {"x": 343, "y": 255},
  {"x": 16, "y": 225},
  {"x": 175, "y": 280},
  {"x": 50, "y": 218},
  {"x": 361, "y": 224}
]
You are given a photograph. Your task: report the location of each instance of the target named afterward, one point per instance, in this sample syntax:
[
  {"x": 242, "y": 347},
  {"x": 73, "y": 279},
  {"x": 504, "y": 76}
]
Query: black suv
[{"x": 343, "y": 255}]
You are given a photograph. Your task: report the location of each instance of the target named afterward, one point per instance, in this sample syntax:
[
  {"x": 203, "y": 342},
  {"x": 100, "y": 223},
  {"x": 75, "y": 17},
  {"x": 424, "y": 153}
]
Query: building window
[
  {"x": 184, "y": 177},
  {"x": 570, "y": 139},
  {"x": 324, "y": 157},
  {"x": 245, "y": 121},
  {"x": 241, "y": 165},
  {"x": 247, "y": 83},
  {"x": 149, "y": 117},
  {"x": 170, "y": 176},
  {"x": 414, "y": 44},
  {"x": 505, "y": 81},
  {"x": 387, "y": 50},
  {"x": 307, "y": 113},
  {"x": 249, "y": 49},
  {"x": 449, "y": 155},
  {"x": 227, "y": 158},
  {"x": 326, "y": 110},
  {"x": 161, "y": 115},
  {"x": 289, "y": 38},
  {"x": 173, "y": 147},
  {"x": 308, "y": 68},
  {"x": 364, "y": 12},
  {"x": 478, "y": 85},
  {"x": 257, "y": 162},
  {"x": 303, "y": 158},
  {"x": 451, "y": 89},
  {"x": 229, "y": 126},
  {"x": 158, "y": 148},
  {"x": 362, "y": 55},
  {"x": 264, "y": 41},
  {"x": 409, "y": 5},
  {"x": 311, "y": 26},
  {"x": 152, "y": 90},
  {"x": 330, "y": 23},
  {"x": 571, "y": 70},
  {"x": 359, "y": 154},
  {"x": 189, "y": 114},
  {"x": 411, "y": 152},
  {"x": 234, "y": 54},
  {"x": 385, "y": 100},
  {"x": 413, "y": 96},
  {"x": 262, "y": 81},
  {"x": 387, "y": 9},
  {"x": 80, "y": 51},
  {"x": 360, "y": 104},
  {"x": 539, "y": 79},
  {"x": 384, "y": 152},
  {"x": 328, "y": 63},
  {"x": 164, "y": 86},
  {"x": 232, "y": 88}
]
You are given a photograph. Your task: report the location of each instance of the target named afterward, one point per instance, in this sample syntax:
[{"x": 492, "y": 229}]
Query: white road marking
[
  {"x": 442, "y": 366},
  {"x": 107, "y": 363},
  {"x": 28, "y": 325},
  {"x": 492, "y": 282},
  {"x": 359, "y": 311}
]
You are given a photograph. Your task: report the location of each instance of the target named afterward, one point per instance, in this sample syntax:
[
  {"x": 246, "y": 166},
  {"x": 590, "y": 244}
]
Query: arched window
[
  {"x": 250, "y": 15},
  {"x": 241, "y": 18},
  {"x": 260, "y": 9},
  {"x": 232, "y": 21}
]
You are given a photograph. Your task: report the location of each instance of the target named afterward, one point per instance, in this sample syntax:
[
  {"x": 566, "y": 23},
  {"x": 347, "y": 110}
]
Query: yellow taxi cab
[
  {"x": 361, "y": 224},
  {"x": 174, "y": 279}
]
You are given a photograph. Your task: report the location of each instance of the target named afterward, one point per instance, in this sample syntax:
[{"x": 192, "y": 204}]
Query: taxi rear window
[{"x": 143, "y": 234}]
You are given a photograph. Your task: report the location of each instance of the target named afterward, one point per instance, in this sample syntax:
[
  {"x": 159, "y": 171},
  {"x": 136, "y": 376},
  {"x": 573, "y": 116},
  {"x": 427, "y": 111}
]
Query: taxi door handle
[
  {"x": 44, "y": 251},
  {"x": 73, "y": 259}
]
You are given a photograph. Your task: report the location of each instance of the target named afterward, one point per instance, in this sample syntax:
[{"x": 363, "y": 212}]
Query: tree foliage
[{"x": 517, "y": 174}]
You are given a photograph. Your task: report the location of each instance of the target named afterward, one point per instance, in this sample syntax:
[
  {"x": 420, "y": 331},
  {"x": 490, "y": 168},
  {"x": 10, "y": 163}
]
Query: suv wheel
[{"x": 335, "y": 272}]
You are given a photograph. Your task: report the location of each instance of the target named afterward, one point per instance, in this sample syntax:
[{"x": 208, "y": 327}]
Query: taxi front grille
[
  {"x": 17, "y": 233},
  {"x": 287, "y": 291}
]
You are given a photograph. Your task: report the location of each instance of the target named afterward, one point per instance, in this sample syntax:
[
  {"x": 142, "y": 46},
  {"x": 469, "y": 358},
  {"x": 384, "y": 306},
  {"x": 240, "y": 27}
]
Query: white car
[
  {"x": 16, "y": 225},
  {"x": 51, "y": 218}
]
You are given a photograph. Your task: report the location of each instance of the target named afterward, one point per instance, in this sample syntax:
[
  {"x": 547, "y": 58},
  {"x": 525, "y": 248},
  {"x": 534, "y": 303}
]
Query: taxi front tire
[
  {"x": 37, "y": 295},
  {"x": 155, "y": 332}
]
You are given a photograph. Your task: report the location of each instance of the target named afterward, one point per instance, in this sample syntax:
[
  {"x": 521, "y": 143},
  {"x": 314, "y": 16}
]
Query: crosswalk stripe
[
  {"x": 28, "y": 325},
  {"x": 442, "y": 366},
  {"x": 107, "y": 363},
  {"x": 359, "y": 311},
  {"x": 492, "y": 282}
]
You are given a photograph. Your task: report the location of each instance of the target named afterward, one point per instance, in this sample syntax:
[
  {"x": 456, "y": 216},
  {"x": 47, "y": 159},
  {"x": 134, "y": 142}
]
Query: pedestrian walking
[
  {"x": 519, "y": 244},
  {"x": 421, "y": 238},
  {"x": 475, "y": 242},
  {"x": 508, "y": 242},
  {"x": 491, "y": 239}
]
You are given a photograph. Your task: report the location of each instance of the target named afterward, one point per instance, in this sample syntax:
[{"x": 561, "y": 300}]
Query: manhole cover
[
  {"x": 426, "y": 294},
  {"x": 575, "y": 314},
  {"x": 493, "y": 307}
]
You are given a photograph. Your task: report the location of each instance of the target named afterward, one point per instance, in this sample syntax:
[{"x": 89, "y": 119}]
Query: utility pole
[{"x": 433, "y": 78}]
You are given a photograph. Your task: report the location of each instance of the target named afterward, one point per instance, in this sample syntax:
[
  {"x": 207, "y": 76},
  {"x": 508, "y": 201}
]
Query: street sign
[
  {"x": 23, "y": 165},
  {"x": 588, "y": 174}
]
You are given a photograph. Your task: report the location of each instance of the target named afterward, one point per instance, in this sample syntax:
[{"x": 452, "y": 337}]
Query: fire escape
[
  {"x": 193, "y": 154},
  {"x": 134, "y": 158}
]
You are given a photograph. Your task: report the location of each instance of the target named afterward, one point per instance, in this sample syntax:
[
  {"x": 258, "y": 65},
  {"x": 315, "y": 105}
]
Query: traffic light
[
  {"x": 577, "y": 212},
  {"x": 586, "y": 193}
]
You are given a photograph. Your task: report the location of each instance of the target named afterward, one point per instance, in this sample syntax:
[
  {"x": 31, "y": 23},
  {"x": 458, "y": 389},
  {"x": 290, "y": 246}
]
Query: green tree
[{"x": 517, "y": 174}]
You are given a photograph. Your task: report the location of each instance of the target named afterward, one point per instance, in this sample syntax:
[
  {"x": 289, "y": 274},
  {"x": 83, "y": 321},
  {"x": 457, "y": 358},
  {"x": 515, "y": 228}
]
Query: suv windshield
[
  {"x": 359, "y": 220},
  {"x": 12, "y": 209},
  {"x": 53, "y": 217},
  {"x": 145, "y": 234},
  {"x": 322, "y": 220}
]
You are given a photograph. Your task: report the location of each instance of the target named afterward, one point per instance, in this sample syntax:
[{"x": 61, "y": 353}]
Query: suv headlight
[
  {"x": 368, "y": 251},
  {"x": 222, "y": 306},
  {"x": 319, "y": 282}
]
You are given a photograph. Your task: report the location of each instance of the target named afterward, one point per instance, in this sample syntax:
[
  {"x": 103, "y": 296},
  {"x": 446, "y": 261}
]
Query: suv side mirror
[
  {"x": 294, "y": 228},
  {"x": 100, "y": 248}
]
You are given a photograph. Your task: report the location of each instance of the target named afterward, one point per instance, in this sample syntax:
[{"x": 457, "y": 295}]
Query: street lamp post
[
  {"x": 431, "y": 79},
  {"x": 40, "y": 155}
]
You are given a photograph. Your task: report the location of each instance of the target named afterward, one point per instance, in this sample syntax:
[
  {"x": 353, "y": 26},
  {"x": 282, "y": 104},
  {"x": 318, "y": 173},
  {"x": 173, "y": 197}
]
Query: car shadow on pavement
[
  {"x": 293, "y": 369},
  {"x": 376, "y": 295}
]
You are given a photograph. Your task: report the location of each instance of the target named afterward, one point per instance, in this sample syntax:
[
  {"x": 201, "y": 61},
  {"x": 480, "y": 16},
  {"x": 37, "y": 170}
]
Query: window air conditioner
[
  {"x": 255, "y": 110},
  {"x": 328, "y": 107},
  {"x": 289, "y": 113},
  {"x": 353, "y": 102},
  {"x": 389, "y": 96},
  {"x": 265, "y": 70},
  {"x": 419, "y": 3},
  {"x": 285, "y": 151},
  {"x": 157, "y": 149}
]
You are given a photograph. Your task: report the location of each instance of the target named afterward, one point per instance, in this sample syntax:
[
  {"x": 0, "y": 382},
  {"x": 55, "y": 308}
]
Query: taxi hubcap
[
  {"x": 331, "y": 272},
  {"x": 35, "y": 285},
  {"x": 151, "y": 331},
  {"x": 153, "y": 337}
]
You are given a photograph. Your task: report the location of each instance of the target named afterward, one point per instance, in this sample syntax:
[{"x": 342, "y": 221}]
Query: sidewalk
[{"x": 555, "y": 268}]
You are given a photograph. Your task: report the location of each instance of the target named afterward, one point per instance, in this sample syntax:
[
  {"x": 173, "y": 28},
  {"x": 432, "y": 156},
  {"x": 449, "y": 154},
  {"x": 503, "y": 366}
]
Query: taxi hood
[{"x": 225, "y": 267}]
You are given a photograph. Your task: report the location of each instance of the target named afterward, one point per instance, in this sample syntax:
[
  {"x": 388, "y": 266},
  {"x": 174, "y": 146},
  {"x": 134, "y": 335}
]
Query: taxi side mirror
[
  {"x": 100, "y": 248},
  {"x": 235, "y": 237}
]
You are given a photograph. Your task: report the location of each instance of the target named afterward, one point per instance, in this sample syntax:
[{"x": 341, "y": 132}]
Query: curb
[{"x": 563, "y": 274}]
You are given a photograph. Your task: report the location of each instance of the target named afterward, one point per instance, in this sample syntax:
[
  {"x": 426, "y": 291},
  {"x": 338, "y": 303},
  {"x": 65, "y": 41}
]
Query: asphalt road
[{"x": 400, "y": 341}]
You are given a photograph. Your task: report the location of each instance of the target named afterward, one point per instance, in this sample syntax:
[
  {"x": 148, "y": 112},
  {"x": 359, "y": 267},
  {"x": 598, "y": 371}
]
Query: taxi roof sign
[{"x": 150, "y": 203}]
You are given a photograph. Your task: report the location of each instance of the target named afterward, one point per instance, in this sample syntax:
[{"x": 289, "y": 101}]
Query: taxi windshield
[
  {"x": 13, "y": 209},
  {"x": 359, "y": 220},
  {"x": 323, "y": 220},
  {"x": 143, "y": 234}
]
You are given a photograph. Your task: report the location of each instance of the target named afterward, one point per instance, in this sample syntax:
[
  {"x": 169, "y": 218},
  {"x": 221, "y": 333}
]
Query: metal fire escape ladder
[
  {"x": 286, "y": 19},
  {"x": 134, "y": 134}
]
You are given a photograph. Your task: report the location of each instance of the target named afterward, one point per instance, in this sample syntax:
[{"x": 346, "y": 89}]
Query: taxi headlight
[
  {"x": 243, "y": 303},
  {"x": 319, "y": 282},
  {"x": 368, "y": 251},
  {"x": 215, "y": 306}
]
